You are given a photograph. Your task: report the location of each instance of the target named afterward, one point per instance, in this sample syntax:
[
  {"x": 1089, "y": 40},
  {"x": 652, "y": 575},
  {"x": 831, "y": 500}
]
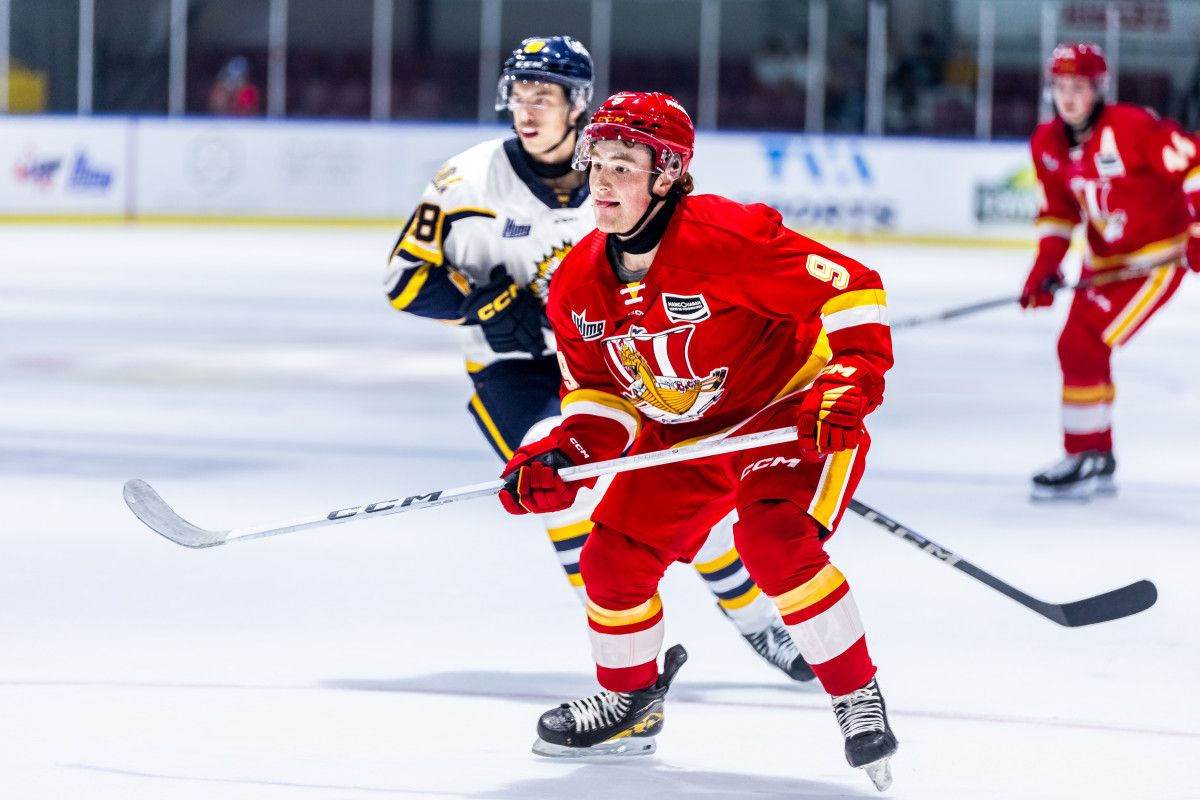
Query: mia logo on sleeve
[{"x": 685, "y": 308}]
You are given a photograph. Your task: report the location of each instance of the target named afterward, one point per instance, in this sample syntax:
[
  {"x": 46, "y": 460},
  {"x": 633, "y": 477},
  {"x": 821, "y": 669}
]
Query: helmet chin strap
[
  {"x": 569, "y": 130},
  {"x": 646, "y": 233}
]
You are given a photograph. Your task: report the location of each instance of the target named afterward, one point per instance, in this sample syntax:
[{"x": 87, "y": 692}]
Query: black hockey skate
[
  {"x": 1077, "y": 477},
  {"x": 870, "y": 742},
  {"x": 609, "y": 723},
  {"x": 776, "y": 647}
]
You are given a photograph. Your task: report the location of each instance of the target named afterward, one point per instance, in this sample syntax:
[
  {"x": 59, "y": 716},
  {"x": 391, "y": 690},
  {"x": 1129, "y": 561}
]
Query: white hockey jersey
[{"x": 484, "y": 207}]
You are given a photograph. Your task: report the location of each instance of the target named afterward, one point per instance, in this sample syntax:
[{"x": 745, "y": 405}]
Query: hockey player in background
[
  {"x": 686, "y": 317},
  {"x": 478, "y": 253},
  {"x": 1134, "y": 180}
]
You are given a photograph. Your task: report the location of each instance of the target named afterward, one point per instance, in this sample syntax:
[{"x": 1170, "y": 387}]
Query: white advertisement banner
[
  {"x": 916, "y": 187},
  {"x": 322, "y": 171},
  {"x": 66, "y": 166},
  {"x": 363, "y": 172}
]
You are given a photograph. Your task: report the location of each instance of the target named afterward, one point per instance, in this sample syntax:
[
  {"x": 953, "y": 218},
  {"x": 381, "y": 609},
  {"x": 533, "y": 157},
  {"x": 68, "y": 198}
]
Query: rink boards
[{"x": 66, "y": 168}]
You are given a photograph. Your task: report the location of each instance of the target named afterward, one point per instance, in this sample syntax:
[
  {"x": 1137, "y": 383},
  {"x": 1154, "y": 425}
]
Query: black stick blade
[{"x": 1123, "y": 602}]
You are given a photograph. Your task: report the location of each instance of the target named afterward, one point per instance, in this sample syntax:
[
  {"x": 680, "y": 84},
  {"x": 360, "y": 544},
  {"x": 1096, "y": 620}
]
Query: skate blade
[
  {"x": 880, "y": 773},
  {"x": 629, "y": 747},
  {"x": 1105, "y": 487},
  {"x": 1080, "y": 493}
]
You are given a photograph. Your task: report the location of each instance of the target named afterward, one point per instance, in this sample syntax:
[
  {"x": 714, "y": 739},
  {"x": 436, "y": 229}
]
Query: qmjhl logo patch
[
  {"x": 587, "y": 329},
  {"x": 514, "y": 230}
]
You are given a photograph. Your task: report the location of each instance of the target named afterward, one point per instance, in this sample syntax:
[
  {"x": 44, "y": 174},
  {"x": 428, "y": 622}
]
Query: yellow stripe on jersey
[
  {"x": 1055, "y": 226},
  {"x": 861, "y": 297},
  {"x": 1087, "y": 395},
  {"x": 1191, "y": 183},
  {"x": 488, "y": 423},
  {"x": 424, "y": 253},
  {"x": 817, "y": 359},
  {"x": 601, "y": 397},
  {"x": 576, "y": 579},
  {"x": 828, "y": 497},
  {"x": 823, "y": 584},
  {"x": 631, "y": 616},
  {"x": 605, "y": 399},
  {"x": 474, "y": 366},
  {"x": 1137, "y": 309},
  {"x": 1144, "y": 256},
  {"x": 415, "y": 283}
]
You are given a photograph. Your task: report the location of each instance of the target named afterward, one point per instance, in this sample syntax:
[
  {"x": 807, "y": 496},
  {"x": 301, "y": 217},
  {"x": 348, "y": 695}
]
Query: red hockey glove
[
  {"x": 1046, "y": 275},
  {"x": 531, "y": 482},
  {"x": 831, "y": 417},
  {"x": 1193, "y": 249},
  {"x": 1038, "y": 291}
]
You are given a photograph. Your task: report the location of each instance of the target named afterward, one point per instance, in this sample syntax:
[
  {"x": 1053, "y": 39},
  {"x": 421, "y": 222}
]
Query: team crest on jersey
[
  {"x": 587, "y": 329},
  {"x": 657, "y": 373},
  {"x": 685, "y": 308},
  {"x": 544, "y": 269},
  {"x": 1049, "y": 162},
  {"x": 1093, "y": 197}
]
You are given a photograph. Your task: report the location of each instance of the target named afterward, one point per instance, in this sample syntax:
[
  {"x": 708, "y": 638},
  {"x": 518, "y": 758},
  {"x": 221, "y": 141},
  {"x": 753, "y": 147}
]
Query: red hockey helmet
[
  {"x": 1084, "y": 59},
  {"x": 654, "y": 119}
]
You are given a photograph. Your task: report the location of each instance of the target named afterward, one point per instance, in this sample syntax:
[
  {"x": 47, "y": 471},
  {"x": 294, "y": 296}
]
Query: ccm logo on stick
[
  {"x": 777, "y": 461},
  {"x": 383, "y": 505}
]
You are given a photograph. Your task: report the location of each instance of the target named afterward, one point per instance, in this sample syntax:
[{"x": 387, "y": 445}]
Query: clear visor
[
  {"x": 663, "y": 160},
  {"x": 577, "y": 97}
]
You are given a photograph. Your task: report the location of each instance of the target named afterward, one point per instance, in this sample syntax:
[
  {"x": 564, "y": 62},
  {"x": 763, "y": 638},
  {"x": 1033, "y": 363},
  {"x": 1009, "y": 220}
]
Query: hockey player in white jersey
[{"x": 478, "y": 254}]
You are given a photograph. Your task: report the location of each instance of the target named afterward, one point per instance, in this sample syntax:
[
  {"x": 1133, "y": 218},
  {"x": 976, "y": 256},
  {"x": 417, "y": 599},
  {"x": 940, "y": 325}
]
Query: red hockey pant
[
  {"x": 787, "y": 508},
  {"x": 1101, "y": 319}
]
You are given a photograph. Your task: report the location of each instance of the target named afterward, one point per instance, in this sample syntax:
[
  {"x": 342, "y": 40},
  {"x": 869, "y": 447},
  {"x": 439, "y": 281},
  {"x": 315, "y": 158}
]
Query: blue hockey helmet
[{"x": 549, "y": 59}]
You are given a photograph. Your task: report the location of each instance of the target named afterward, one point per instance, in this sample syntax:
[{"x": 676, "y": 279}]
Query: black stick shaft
[{"x": 1102, "y": 608}]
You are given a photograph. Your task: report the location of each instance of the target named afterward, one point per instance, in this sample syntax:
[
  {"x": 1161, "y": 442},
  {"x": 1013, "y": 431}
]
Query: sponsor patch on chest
[{"x": 685, "y": 307}]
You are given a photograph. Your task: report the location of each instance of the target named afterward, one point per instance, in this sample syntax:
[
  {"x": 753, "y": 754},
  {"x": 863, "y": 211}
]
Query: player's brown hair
[{"x": 685, "y": 185}]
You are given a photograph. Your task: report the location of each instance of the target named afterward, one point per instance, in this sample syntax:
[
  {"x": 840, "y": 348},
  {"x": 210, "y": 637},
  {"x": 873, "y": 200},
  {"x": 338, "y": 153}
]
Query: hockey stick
[
  {"x": 150, "y": 508},
  {"x": 984, "y": 305},
  {"x": 1118, "y": 603}
]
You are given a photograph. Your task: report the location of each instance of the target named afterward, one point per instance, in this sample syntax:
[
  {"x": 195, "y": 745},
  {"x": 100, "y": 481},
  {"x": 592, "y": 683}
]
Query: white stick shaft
[
  {"x": 702, "y": 449},
  {"x": 155, "y": 513}
]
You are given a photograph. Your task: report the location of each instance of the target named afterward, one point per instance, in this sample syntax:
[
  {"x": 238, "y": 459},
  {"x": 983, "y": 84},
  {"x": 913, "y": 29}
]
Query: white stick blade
[{"x": 153, "y": 511}]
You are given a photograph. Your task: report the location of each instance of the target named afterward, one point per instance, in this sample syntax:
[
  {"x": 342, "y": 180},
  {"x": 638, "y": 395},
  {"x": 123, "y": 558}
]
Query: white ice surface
[{"x": 254, "y": 376}]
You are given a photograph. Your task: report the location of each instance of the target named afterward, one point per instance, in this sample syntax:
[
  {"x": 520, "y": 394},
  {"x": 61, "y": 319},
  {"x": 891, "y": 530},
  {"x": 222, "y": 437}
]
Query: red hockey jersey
[
  {"x": 1127, "y": 182},
  {"x": 735, "y": 312}
]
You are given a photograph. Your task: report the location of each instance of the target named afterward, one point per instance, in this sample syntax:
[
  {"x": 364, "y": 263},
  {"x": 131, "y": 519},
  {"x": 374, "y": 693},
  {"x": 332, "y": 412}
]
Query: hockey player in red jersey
[
  {"x": 1134, "y": 180},
  {"x": 478, "y": 253},
  {"x": 688, "y": 317}
]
